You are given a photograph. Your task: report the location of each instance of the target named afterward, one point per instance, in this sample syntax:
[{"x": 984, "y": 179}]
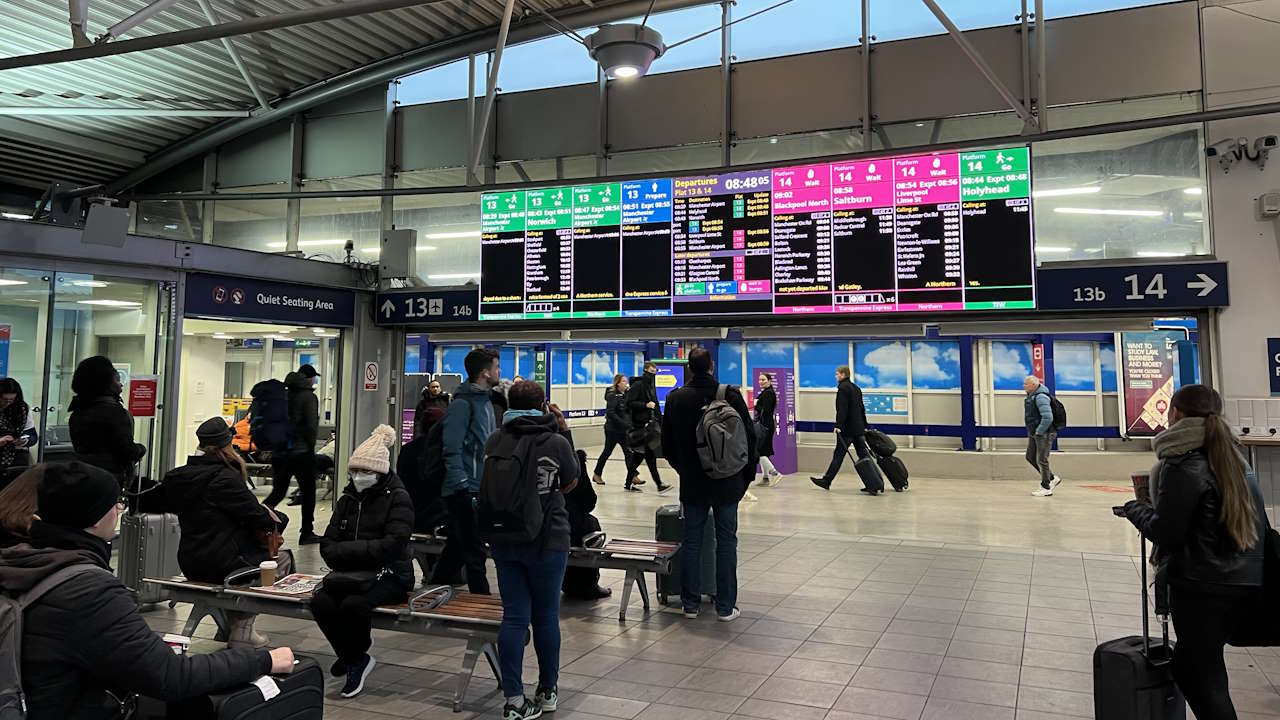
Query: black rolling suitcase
[
  {"x": 895, "y": 471},
  {"x": 1132, "y": 677},
  {"x": 669, "y": 527},
  {"x": 868, "y": 471},
  {"x": 301, "y": 698}
]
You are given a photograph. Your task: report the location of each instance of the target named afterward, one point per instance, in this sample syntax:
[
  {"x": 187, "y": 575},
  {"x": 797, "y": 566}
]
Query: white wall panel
[
  {"x": 258, "y": 158},
  {"x": 931, "y": 77},
  {"x": 798, "y": 93},
  {"x": 663, "y": 110},
  {"x": 548, "y": 123},
  {"x": 343, "y": 145},
  {"x": 432, "y": 135}
]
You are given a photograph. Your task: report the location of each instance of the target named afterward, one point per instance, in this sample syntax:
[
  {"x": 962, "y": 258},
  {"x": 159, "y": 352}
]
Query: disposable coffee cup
[
  {"x": 1141, "y": 486},
  {"x": 268, "y": 572}
]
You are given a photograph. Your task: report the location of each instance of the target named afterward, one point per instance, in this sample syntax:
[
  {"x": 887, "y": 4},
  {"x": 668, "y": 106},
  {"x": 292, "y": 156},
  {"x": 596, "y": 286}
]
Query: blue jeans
[
  {"x": 695, "y": 526},
  {"x": 529, "y": 580}
]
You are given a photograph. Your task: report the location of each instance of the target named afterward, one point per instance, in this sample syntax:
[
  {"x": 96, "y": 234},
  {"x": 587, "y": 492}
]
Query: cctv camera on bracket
[{"x": 1262, "y": 148}]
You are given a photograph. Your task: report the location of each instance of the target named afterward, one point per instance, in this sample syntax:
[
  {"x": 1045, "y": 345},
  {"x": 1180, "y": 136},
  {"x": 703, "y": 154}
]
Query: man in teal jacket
[
  {"x": 1038, "y": 414},
  {"x": 467, "y": 425}
]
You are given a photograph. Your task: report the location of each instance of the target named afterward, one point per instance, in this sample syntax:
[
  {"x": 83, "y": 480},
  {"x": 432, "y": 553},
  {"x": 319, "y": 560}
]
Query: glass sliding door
[{"x": 24, "y": 321}]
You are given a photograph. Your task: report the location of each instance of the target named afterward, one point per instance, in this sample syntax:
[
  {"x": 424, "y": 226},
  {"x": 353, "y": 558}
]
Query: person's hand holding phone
[
  {"x": 651, "y": 405},
  {"x": 555, "y": 411},
  {"x": 6, "y": 440}
]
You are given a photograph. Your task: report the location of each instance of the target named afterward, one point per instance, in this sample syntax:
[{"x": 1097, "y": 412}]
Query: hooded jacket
[
  {"x": 85, "y": 638},
  {"x": 643, "y": 391},
  {"x": 102, "y": 434},
  {"x": 467, "y": 425},
  {"x": 370, "y": 530},
  {"x": 421, "y": 470},
  {"x": 219, "y": 517},
  {"x": 617, "y": 416},
  {"x": 557, "y": 465},
  {"x": 684, "y": 409},
  {"x": 304, "y": 413},
  {"x": 1037, "y": 411}
]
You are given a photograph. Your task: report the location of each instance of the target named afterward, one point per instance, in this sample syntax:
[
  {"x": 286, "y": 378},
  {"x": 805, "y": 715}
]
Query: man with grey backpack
[{"x": 710, "y": 441}]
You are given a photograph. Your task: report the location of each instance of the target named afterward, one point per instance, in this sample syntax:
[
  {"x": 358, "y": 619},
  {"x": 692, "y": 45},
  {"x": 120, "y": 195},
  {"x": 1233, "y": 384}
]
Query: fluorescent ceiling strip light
[
  {"x": 1159, "y": 254},
  {"x": 1193, "y": 191},
  {"x": 1110, "y": 211},
  {"x": 277, "y": 245},
  {"x": 453, "y": 276},
  {"x": 14, "y": 216},
  {"x": 1052, "y": 249},
  {"x": 452, "y": 235},
  {"x": 90, "y": 283},
  {"x": 111, "y": 303},
  {"x": 1061, "y": 192},
  {"x": 4, "y": 282}
]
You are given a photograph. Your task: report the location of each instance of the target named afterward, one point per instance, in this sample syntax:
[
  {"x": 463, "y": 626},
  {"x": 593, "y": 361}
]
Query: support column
[
  {"x": 389, "y": 165},
  {"x": 207, "y": 207},
  {"x": 471, "y": 178},
  {"x": 602, "y": 122},
  {"x": 1042, "y": 98},
  {"x": 293, "y": 217},
  {"x": 865, "y": 50},
  {"x": 726, "y": 81},
  {"x": 968, "y": 426}
]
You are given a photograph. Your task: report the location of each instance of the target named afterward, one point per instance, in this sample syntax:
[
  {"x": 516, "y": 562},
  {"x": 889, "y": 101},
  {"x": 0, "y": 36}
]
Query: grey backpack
[
  {"x": 722, "y": 438},
  {"x": 13, "y": 704}
]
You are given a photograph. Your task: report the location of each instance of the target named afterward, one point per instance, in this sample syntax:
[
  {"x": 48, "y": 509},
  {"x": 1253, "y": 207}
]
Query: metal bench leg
[
  {"x": 644, "y": 590},
  {"x": 626, "y": 594},
  {"x": 475, "y": 648},
  {"x": 490, "y": 651}
]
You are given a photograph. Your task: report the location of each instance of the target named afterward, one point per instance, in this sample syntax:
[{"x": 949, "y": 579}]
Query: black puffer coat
[
  {"x": 220, "y": 519},
  {"x": 684, "y": 409},
  {"x": 102, "y": 435},
  {"x": 304, "y": 413},
  {"x": 1185, "y": 525},
  {"x": 370, "y": 530},
  {"x": 766, "y": 406},
  {"x": 421, "y": 469},
  {"x": 85, "y": 637},
  {"x": 617, "y": 417},
  {"x": 643, "y": 391}
]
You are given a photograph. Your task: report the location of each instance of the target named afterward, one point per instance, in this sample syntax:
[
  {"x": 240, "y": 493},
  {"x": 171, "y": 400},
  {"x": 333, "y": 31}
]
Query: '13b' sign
[{"x": 1133, "y": 287}]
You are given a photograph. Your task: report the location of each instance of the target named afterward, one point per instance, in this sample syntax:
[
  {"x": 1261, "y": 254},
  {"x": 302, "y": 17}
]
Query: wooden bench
[
  {"x": 635, "y": 557},
  {"x": 437, "y": 612}
]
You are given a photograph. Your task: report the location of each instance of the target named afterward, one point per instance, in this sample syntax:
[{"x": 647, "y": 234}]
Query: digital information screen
[{"x": 928, "y": 233}]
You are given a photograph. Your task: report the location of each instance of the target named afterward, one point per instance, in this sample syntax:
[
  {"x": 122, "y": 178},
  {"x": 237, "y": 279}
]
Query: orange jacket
[{"x": 242, "y": 441}]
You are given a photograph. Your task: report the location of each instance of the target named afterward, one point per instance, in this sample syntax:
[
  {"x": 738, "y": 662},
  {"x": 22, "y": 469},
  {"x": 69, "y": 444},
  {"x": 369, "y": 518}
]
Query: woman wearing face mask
[
  {"x": 367, "y": 546},
  {"x": 17, "y": 429},
  {"x": 1208, "y": 521},
  {"x": 101, "y": 429}
]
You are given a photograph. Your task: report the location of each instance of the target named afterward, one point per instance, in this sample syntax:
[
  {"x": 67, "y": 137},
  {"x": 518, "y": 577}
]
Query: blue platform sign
[
  {"x": 236, "y": 298},
  {"x": 1170, "y": 286},
  {"x": 427, "y": 307},
  {"x": 1273, "y": 364}
]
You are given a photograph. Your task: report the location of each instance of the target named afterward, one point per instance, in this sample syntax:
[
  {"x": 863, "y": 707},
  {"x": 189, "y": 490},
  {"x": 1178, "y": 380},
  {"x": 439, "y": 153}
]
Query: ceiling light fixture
[
  {"x": 90, "y": 283},
  {"x": 1061, "y": 192},
  {"x": 4, "y": 282},
  {"x": 1159, "y": 254},
  {"x": 1052, "y": 249},
  {"x": 625, "y": 50},
  {"x": 1193, "y": 191},
  {"x": 453, "y": 276},
  {"x": 1110, "y": 211},
  {"x": 452, "y": 235},
  {"x": 15, "y": 216},
  {"x": 111, "y": 303}
]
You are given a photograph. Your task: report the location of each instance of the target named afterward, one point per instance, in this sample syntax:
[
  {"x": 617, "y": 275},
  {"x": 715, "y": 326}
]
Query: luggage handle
[{"x": 1146, "y": 622}]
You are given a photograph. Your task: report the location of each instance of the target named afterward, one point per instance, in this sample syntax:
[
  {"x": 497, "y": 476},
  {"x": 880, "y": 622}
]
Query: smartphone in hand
[{"x": 1117, "y": 510}]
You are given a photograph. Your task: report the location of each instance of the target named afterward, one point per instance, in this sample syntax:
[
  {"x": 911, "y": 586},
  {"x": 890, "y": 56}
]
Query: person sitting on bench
[
  {"x": 421, "y": 469},
  {"x": 367, "y": 546},
  {"x": 224, "y": 527},
  {"x": 85, "y": 647}
]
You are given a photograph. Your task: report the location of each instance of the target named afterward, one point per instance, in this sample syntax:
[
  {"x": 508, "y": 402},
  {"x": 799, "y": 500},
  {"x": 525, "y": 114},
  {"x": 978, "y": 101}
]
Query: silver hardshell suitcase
[{"x": 148, "y": 548}]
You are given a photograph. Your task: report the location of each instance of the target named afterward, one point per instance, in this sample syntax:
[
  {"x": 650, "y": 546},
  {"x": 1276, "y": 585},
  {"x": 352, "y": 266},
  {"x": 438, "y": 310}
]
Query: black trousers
[
  {"x": 838, "y": 455},
  {"x": 346, "y": 620},
  {"x": 464, "y": 546},
  {"x": 1204, "y": 619},
  {"x": 612, "y": 440},
  {"x": 302, "y": 467},
  {"x": 633, "y": 464}
]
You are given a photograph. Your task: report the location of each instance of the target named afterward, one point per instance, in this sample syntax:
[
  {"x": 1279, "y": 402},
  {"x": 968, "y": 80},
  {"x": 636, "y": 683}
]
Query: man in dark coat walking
[
  {"x": 300, "y": 460},
  {"x": 851, "y": 426},
  {"x": 702, "y": 495}
]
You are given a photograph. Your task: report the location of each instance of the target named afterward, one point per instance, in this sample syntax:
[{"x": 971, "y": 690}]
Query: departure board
[{"x": 928, "y": 233}]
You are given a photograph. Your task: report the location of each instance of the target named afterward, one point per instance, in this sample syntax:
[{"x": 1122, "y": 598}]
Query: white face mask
[{"x": 364, "y": 480}]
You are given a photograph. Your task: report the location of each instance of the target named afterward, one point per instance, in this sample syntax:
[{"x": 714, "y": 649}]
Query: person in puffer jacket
[
  {"x": 100, "y": 426},
  {"x": 367, "y": 547},
  {"x": 85, "y": 647}
]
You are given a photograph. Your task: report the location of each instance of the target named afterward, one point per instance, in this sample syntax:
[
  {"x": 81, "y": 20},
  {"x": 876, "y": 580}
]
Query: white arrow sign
[
  {"x": 389, "y": 307},
  {"x": 1205, "y": 284}
]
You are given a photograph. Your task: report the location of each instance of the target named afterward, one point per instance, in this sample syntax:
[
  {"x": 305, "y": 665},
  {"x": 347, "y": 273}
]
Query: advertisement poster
[
  {"x": 885, "y": 403},
  {"x": 784, "y": 435},
  {"x": 1147, "y": 377},
  {"x": 5, "y": 331},
  {"x": 670, "y": 376},
  {"x": 142, "y": 395},
  {"x": 406, "y": 425}
]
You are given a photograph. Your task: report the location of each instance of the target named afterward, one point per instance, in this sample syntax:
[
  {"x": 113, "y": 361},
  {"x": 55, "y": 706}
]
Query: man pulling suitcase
[{"x": 851, "y": 431}]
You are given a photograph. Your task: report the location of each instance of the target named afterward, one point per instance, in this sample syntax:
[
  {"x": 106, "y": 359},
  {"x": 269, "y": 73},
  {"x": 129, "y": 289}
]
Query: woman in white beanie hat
[{"x": 367, "y": 546}]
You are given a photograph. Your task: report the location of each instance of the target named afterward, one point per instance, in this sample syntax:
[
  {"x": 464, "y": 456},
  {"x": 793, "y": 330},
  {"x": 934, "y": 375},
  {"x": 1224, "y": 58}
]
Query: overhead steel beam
[
  {"x": 350, "y": 8},
  {"x": 1042, "y": 100},
  {"x": 976, "y": 57},
  {"x": 78, "y": 12},
  {"x": 430, "y": 56},
  {"x": 866, "y": 74},
  {"x": 726, "y": 80},
  {"x": 212, "y": 15},
  {"x": 471, "y": 178},
  {"x": 120, "y": 112},
  {"x": 154, "y": 8},
  {"x": 491, "y": 90}
]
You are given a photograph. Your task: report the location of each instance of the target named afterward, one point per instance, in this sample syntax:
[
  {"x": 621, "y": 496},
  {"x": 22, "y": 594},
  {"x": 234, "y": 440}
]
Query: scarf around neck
[{"x": 1182, "y": 437}]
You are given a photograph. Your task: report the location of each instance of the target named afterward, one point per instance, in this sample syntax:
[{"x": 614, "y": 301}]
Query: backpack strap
[
  {"x": 721, "y": 391},
  {"x": 41, "y": 588}
]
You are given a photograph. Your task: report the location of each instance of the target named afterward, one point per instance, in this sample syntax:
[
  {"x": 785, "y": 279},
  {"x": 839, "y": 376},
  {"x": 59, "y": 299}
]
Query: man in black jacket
[
  {"x": 851, "y": 426},
  {"x": 642, "y": 402},
  {"x": 84, "y": 645},
  {"x": 702, "y": 495},
  {"x": 300, "y": 460}
]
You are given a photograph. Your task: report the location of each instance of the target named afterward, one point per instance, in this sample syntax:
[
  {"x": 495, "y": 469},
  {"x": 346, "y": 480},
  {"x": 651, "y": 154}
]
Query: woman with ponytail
[{"x": 1208, "y": 521}]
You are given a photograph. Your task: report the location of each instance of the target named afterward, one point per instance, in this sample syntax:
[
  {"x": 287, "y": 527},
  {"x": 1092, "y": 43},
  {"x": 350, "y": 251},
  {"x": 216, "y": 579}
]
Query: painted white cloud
[
  {"x": 926, "y": 369},
  {"x": 889, "y": 363},
  {"x": 1007, "y": 363},
  {"x": 1073, "y": 366},
  {"x": 1107, "y": 358}
]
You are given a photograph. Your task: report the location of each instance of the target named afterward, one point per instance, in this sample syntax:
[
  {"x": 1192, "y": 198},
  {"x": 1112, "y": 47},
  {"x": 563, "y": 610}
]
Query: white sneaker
[
  {"x": 775, "y": 478},
  {"x": 691, "y": 614},
  {"x": 764, "y": 481},
  {"x": 1043, "y": 492},
  {"x": 733, "y": 615},
  {"x": 749, "y": 497},
  {"x": 1055, "y": 482}
]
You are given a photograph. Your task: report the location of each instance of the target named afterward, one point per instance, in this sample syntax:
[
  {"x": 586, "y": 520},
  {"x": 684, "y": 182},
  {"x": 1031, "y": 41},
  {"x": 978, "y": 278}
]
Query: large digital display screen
[{"x": 927, "y": 233}]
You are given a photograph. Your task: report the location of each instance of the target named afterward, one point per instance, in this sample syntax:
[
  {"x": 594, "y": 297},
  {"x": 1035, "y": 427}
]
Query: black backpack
[
  {"x": 269, "y": 426},
  {"x": 1059, "y": 413},
  {"x": 509, "y": 508}
]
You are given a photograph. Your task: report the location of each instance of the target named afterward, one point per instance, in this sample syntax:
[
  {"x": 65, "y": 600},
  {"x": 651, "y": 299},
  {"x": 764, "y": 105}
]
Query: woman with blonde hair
[
  {"x": 1209, "y": 522},
  {"x": 617, "y": 420},
  {"x": 224, "y": 527}
]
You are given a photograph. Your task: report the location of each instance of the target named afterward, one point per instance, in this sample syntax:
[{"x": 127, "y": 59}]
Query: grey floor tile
[
  {"x": 902, "y": 681},
  {"x": 729, "y": 682},
  {"x": 926, "y": 614},
  {"x": 1057, "y": 660},
  {"x": 849, "y": 654},
  {"x": 743, "y": 661},
  {"x": 764, "y": 644},
  {"x": 944, "y": 709},
  {"x": 980, "y": 670},
  {"x": 799, "y": 692},
  {"x": 913, "y": 643},
  {"x": 596, "y": 664},
  {"x": 1060, "y": 643},
  {"x": 604, "y": 705},
  {"x": 702, "y": 700},
  {"x": 657, "y": 711},
  {"x": 1062, "y": 702},
  {"x": 1253, "y": 701},
  {"x": 798, "y": 615},
  {"x": 776, "y": 628},
  {"x": 881, "y": 703},
  {"x": 991, "y": 636},
  {"x": 975, "y": 691},
  {"x": 1059, "y": 679},
  {"x": 770, "y": 710},
  {"x": 628, "y": 690},
  {"x": 922, "y": 627},
  {"x": 854, "y": 621},
  {"x": 649, "y": 673},
  {"x": 901, "y": 660},
  {"x": 817, "y": 671},
  {"x": 996, "y": 622},
  {"x": 845, "y": 636},
  {"x": 985, "y": 651}
]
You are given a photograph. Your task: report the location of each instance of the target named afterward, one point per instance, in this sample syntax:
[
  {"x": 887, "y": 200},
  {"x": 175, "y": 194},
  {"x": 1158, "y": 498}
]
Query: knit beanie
[
  {"x": 374, "y": 454},
  {"x": 214, "y": 432},
  {"x": 75, "y": 494}
]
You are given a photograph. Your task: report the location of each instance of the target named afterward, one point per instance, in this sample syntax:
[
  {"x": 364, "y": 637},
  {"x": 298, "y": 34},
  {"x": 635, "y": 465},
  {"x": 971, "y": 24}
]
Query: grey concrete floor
[{"x": 954, "y": 600}]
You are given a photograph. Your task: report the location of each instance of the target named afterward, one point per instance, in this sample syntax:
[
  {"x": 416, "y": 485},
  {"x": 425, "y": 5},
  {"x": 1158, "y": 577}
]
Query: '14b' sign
[{"x": 1123, "y": 287}]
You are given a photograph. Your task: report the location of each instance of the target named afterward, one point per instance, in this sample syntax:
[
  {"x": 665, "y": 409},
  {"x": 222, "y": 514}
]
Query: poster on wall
[
  {"x": 1148, "y": 380},
  {"x": 142, "y": 395},
  {"x": 878, "y": 403},
  {"x": 125, "y": 370},
  {"x": 5, "y": 331},
  {"x": 670, "y": 376},
  {"x": 784, "y": 415}
]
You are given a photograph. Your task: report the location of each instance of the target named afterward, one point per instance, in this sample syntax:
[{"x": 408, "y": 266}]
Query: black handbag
[
  {"x": 350, "y": 582},
  {"x": 1261, "y": 624}
]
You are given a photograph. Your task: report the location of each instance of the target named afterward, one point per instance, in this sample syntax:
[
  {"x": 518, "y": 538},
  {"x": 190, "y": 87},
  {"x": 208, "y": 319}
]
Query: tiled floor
[{"x": 837, "y": 624}]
